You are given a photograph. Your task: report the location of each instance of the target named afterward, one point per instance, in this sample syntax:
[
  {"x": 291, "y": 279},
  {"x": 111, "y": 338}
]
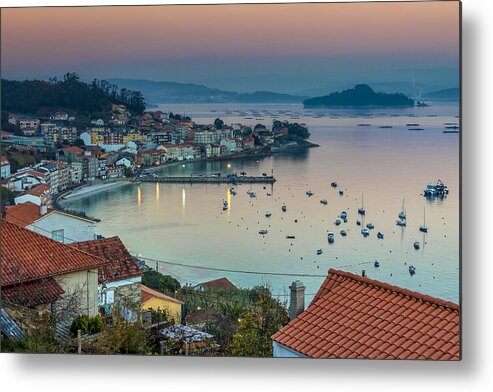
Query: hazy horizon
[{"x": 305, "y": 49}]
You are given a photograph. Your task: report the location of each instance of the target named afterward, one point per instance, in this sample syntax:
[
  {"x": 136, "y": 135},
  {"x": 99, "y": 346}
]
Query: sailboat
[
  {"x": 402, "y": 214},
  {"x": 361, "y": 210},
  {"x": 423, "y": 228}
]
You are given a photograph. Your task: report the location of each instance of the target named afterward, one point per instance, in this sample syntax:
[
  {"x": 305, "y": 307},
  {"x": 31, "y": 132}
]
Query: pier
[{"x": 210, "y": 179}]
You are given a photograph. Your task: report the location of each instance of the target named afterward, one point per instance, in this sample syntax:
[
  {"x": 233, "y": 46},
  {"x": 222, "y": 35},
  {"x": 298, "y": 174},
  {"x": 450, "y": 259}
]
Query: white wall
[
  {"x": 25, "y": 198},
  {"x": 281, "y": 351},
  {"x": 74, "y": 228}
]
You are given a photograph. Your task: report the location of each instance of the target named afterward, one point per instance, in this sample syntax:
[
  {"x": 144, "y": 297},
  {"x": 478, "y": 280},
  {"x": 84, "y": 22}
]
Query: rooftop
[
  {"x": 221, "y": 283},
  {"x": 148, "y": 293},
  {"x": 121, "y": 264},
  {"x": 23, "y": 214},
  {"x": 358, "y": 317},
  {"x": 29, "y": 256}
]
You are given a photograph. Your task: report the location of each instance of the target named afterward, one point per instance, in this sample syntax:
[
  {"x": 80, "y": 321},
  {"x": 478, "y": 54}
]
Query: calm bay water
[{"x": 186, "y": 223}]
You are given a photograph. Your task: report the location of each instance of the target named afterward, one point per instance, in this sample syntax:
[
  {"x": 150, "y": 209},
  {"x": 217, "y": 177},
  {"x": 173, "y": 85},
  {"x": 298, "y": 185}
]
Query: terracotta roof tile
[
  {"x": 121, "y": 264},
  {"x": 221, "y": 283},
  {"x": 148, "y": 293},
  {"x": 357, "y": 317},
  {"x": 29, "y": 256},
  {"x": 29, "y": 294},
  {"x": 23, "y": 214}
]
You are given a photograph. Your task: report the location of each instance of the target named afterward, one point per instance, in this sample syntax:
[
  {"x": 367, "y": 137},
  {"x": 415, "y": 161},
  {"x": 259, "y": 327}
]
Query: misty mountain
[
  {"x": 172, "y": 92},
  {"x": 447, "y": 95},
  {"x": 360, "y": 95}
]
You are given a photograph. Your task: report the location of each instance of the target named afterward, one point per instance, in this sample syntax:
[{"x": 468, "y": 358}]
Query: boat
[
  {"x": 341, "y": 191},
  {"x": 416, "y": 129},
  {"x": 225, "y": 204},
  {"x": 243, "y": 173},
  {"x": 284, "y": 208},
  {"x": 319, "y": 251},
  {"x": 362, "y": 210},
  {"x": 323, "y": 201},
  {"x": 423, "y": 228},
  {"x": 365, "y": 231},
  {"x": 402, "y": 214},
  {"x": 364, "y": 125},
  {"x": 385, "y": 126},
  {"x": 343, "y": 215},
  {"x": 376, "y": 264},
  {"x": 412, "y": 269},
  {"x": 333, "y": 184},
  {"x": 251, "y": 193},
  {"x": 290, "y": 237},
  {"x": 337, "y": 222},
  {"x": 309, "y": 193},
  {"x": 412, "y": 125},
  {"x": 452, "y": 127},
  {"x": 401, "y": 222},
  {"x": 268, "y": 214},
  {"x": 380, "y": 235},
  {"x": 232, "y": 191},
  {"x": 263, "y": 232},
  {"x": 269, "y": 194},
  {"x": 370, "y": 226},
  {"x": 358, "y": 223},
  {"x": 343, "y": 233},
  {"x": 416, "y": 245},
  {"x": 436, "y": 190},
  {"x": 330, "y": 237}
]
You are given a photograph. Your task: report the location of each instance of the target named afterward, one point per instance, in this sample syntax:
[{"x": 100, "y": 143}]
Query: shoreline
[{"x": 87, "y": 190}]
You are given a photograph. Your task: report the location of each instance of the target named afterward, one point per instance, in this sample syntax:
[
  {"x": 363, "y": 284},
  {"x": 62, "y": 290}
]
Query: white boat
[
  {"x": 343, "y": 232},
  {"x": 370, "y": 225},
  {"x": 416, "y": 244},
  {"x": 268, "y": 214},
  {"x": 319, "y": 251},
  {"x": 263, "y": 232},
  {"x": 343, "y": 215},
  {"x": 362, "y": 210},
  {"x": 380, "y": 235},
  {"x": 330, "y": 237},
  {"x": 402, "y": 214},
  {"x": 225, "y": 205},
  {"x": 309, "y": 193},
  {"x": 341, "y": 191},
  {"x": 323, "y": 201},
  {"x": 412, "y": 269},
  {"x": 365, "y": 231},
  {"x": 284, "y": 208},
  {"x": 424, "y": 228},
  {"x": 337, "y": 222}
]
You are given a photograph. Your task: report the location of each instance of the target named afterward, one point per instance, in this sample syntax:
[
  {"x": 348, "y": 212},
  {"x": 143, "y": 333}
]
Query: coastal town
[{"x": 66, "y": 288}]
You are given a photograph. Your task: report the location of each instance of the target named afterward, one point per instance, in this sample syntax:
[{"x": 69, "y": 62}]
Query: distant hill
[
  {"x": 172, "y": 92},
  {"x": 360, "y": 95},
  {"x": 447, "y": 95}
]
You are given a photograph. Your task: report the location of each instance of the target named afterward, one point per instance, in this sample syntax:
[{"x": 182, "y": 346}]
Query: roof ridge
[{"x": 396, "y": 289}]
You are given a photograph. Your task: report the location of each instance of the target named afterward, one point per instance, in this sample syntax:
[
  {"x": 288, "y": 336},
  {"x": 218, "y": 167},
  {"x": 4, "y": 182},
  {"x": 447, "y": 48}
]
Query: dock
[{"x": 209, "y": 179}]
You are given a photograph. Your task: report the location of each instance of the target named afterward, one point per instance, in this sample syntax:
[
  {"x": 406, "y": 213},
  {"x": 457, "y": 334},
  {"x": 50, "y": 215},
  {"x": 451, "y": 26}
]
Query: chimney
[
  {"x": 43, "y": 209},
  {"x": 297, "y": 303},
  {"x": 363, "y": 273}
]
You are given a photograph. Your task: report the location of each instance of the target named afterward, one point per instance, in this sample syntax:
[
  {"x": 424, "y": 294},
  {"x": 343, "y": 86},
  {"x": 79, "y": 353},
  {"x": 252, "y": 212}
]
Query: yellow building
[{"x": 154, "y": 300}]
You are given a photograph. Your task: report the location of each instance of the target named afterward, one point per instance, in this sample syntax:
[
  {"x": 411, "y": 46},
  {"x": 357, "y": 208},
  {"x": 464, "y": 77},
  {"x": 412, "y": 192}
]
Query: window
[{"x": 57, "y": 235}]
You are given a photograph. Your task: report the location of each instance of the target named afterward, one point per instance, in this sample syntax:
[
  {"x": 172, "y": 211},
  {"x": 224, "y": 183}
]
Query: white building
[
  {"x": 4, "y": 167},
  {"x": 54, "y": 224}
]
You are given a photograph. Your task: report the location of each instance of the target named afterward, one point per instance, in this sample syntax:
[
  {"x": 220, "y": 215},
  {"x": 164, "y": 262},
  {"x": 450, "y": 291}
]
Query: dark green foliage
[
  {"x": 218, "y": 123},
  {"x": 294, "y": 129},
  {"x": 41, "y": 97},
  {"x": 6, "y": 197},
  {"x": 87, "y": 325},
  {"x": 160, "y": 282},
  {"x": 124, "y": 338},
  {"x": 360, "y": 95}
]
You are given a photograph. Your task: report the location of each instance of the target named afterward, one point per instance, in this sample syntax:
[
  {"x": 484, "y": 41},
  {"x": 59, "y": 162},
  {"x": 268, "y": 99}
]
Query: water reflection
[{"x": 139, "y": 196}]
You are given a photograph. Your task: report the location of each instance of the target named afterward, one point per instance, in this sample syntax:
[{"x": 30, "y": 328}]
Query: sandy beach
[{"x": 88, "y": 190}]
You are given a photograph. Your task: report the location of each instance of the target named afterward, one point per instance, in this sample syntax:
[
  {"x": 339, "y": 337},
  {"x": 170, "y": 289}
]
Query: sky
[{"x": 295, "y": 48}]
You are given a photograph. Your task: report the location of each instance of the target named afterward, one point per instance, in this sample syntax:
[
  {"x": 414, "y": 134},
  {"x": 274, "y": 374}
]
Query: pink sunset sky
[{"x": 233, "y": 42}]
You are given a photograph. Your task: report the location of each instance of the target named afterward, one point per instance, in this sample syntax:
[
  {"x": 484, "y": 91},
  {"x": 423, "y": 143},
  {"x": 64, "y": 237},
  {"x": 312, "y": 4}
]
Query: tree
[
  {"x": 294, "y": 129},
  {"x": 160, "y": 282},
  {"x": 218, "y": 123},
  {"x": 6, "y": 197},
  {"x": 124, "y": 338}
]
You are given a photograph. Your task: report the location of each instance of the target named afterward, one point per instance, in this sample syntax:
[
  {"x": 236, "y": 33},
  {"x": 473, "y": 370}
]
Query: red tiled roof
[
  {"x": 222, "y": 283},
  {"x": 23, "y": 214},
  {"x": 357, "y": 317},
  {"x": 29, "y": 256},
  {"x": 38, "y": 190},
  {"x": 148, "y": 293},
  {"x": 121, "y": 264},
  {"x": 74, "y": 150},
  {"x": 29, "y": 294},
  {"x": 203, "y": 316}
]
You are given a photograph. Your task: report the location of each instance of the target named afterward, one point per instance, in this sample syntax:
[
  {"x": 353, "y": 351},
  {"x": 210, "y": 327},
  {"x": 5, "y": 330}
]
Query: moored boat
[
  {"x": 365, "y": 231},
  {"x": 330, "y": 237}
]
